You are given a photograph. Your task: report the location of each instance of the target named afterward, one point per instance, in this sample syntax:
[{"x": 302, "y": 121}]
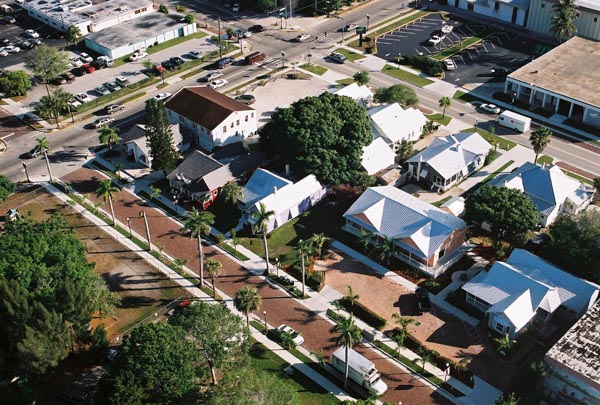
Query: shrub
[
  {"x": 426, "y": 65},
  {"x": 179, "y": 8},
  {"x": 363, "y": 313},
  {"x": 163, "y": 9},
  {"x": 7, "y": 187}
]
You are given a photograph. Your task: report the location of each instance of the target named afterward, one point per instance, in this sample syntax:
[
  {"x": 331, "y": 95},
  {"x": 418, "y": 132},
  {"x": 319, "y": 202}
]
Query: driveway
[{"x": 279, "y": 306}]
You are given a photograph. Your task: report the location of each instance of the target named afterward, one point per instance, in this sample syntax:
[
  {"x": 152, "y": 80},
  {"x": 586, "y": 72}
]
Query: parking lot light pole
[
  {"x": 265, "y": 316},
  {"x": 399, "y": 56},
  {"x": 143, "y": 215},
  {"x": 26, "y": 172},
  {"x": 446, "y": 372},
  {"x": 129, "y": 226},
  {"x": 368, "y": 18},
  {"x": 282, "y": 59},
  {"x": 512, "y": 102}
]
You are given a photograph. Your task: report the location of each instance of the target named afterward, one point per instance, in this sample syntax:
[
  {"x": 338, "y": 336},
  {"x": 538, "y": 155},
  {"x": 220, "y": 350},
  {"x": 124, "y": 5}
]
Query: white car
[
  {"x": 490, "y": 108},
  {"x": 12, "y": 49},
  {"x": 162, "y": 96},
  {"x": 3, "y": 52},
  {"x": 236, "y": 8},
  {"x": 75, "y": 61},
  {"x": 82, "y": 97},
  {"x": 138, "y": 56},
  {"x": 244, "y": 34},
  {"x": 217, "y": 83},
  {"x": 296, "y": 336},
  {"x": 434, "y": 40},
  {"x": 32, "y": 34},
  {"x": 449, "y": 64},
  {"x": 103, "y": 91},
  {"x": 195, "y": 54},
  {"x": 302, "y": 37},
  {"x": 103, "y": 122},
  {"x": 85, "y": 58}
]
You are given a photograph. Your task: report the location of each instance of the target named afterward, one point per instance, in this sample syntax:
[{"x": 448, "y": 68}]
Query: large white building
[
  {"x": 394, "y": 124},
  {"x": 511, "y": 11},
  {"x": 541, "y": 12}
]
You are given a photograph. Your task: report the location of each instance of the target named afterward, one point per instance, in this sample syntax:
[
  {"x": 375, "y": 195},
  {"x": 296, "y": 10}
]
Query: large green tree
[
  {"x": 73, "y": 34},
  {"x": 509, "y": 212},
  {"x": 398, "y": 93},
  {"x": 361, "y": 78},
  {"x": 323, "y": 135},
  {"x": 563, "y": 19},
  {"x": 198, "y": 223},
  {"x": 159, "y": 136},
  {"x": 247, "y": 300},
  {"x": 7, "y": 187},
  {"x": 218, "y": 334},
  {"x": 15, "y": 83},
  {"x": 161, "y": 365},
  {"x": 58, "y": 104}
]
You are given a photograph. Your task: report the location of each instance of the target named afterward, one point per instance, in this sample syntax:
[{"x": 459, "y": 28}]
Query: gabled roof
[
  {"x": 546, "y": 186},
  {"x": 450, "y": 154},
  {"x": 261, "y": 184},
  {"x": 377, "y": 156},
  {"x": 290, "y": 195},
  {"x": 420, "y": 227},
  {"x": 394, "y": 122},
  {"x": 525, "y": 282},
  {"x": 195, "y": 166},
  {"x": 141, "y": 137},
  {"x": 355, "y": 92},
  {"x": 204, "y": 106}
]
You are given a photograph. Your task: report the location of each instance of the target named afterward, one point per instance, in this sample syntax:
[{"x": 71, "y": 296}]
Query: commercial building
[
  {"x": 587, "y": 24},
  {"x": 88, "y": 16},
  {"x": 511, "y": 11},
  {"x": 563, "y": 83}
]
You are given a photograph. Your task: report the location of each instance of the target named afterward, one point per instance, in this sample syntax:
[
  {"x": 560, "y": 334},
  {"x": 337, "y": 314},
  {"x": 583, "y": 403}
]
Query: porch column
[
  {"x": 544, "y": 101},
  {"x": 585, "y": 114},
  {"x": 571, "y": 110},
  {"x": 557, "y": 104},
  {"x": 531, "y": 95},
  {"x": 518, "y": 90},
  {"x": 506, "y": 87}
]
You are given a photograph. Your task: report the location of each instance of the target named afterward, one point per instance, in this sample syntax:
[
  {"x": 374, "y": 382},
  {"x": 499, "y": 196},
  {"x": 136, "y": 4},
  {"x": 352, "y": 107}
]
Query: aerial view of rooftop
[{"x": 303, "y": 202}]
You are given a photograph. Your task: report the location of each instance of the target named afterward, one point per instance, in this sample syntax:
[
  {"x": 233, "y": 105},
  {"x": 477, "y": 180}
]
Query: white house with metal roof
[
  {"x": 527, "y": 289},
  {"x": 377, "y": 156},
  {"x": 361, "y": 94},
  {"x": 449, "y": 160},
  {"x": 261, "y": 184},
  {"x": 425, "y": 236},
  {"x": 393, "y": 123},
  {"x": 288, "y": 201},
  {"x": 551, "y": 191}
]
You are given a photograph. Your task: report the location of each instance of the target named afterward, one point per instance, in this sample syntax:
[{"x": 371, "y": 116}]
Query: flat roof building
[
  {"x": 87, "y": 15},
  {"x": 563, "y": 82},
  {"x": 586, "y": 23}
]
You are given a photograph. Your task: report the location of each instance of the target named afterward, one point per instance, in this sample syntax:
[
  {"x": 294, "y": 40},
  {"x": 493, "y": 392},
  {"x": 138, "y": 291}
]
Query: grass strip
[
  {"x": 345, "y": 82},
  {"x": 578, "y": 177},
  {"x": 497, "y": 172},
  {"x": 439, "y": 118},
  {"x": 545, "y": 159},
  {"x": 492, "y": 138},
  {"x": 464, "y": 44},
  {"x": 442, "y": 201},
  {"x": 406, "y": 76},
  {"x": 316, "y": 69},
  {"x": 464, "y": 97},
  {"x": 352, "y": 56},
  {"x": 133, "y": 97}
]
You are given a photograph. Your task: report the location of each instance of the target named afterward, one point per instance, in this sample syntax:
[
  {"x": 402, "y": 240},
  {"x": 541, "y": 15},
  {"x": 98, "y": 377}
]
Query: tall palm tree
[
  {"x": 403, "y": 322},
  {"x": 426, "y": 357},
  {"x": 44, "y": 147},
  {"x": 319, "y": 240},
  {"x": 287, "y": 341},
  {"x": 387, "y": 249},
  {"x": 109, "y": 136},
  {"x": 563, "y": 19},
  {"x": 304, "y": 248},
  {"x": 247, "y": 300},
  {"x": 540, "y": 138},
  {"x": 231, "y": 192},
  {"x": 351, "y": 297},
  {"x": 445, "y": 102},
  {"x": 350, "y": 335},
  {"x": 213, "y": 268},
  {"x": 262, "y": 222},
  {"x": 198, "y": 223},
  {"x": 107, "y": 191}
]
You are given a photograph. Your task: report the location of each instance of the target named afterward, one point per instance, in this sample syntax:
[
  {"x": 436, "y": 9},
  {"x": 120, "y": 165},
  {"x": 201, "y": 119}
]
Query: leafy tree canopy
[
  {"x": 397, "y": 93},
  {"x": 509, "y": 212},
  {"x": 160, "y": 136},
  {"x": 323, "y": 135},
  {"x": 15, "y": 83},
  {"x": 7, "y": 187}
]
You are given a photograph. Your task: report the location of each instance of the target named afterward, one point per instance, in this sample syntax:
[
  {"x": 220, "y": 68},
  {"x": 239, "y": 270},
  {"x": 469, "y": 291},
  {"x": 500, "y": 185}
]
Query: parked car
[
  {"x": 243, "y": 34},
  {"x": 112, "y": 86},
  {"x": 449, "y": 64},
  {"x": 73, "y": 104},
  {"x": 423, "y": 299},
  {"x": 348, "y": 27},
  {"x": 302, "y": 37},
  {"x": 12, "y": 49},
  {"x": 25, "y": 45},
  {"x": 177, "y": 61},
  {"x": 5, "y": 42},
  {"x": 36, "y": 41},
  {"x": 85, "y": 58},
  {"x": 337, "y": 57},
  {"x": 88, "y": 68},
  {"x": 96, "y": 65},
  {"x": 195, "y": 54},
  {"x": 75, "y": 61},
  {"x": 500, "y": 72},
  {"x": 246, "y": 99},
  {"x": 168, "y": 65},
  {"x": 490, "y": 108},
  {"x": 78, "y": 71},
  {"x": 33, "y": 152},
  {"x": 103, "y": 122},
  {"x": 256, "y": 28},
  {"x": 82, "y": 97},
  {"x": 31, "y": 34},
  {"x": 3, "y": 52},
  {"x": 108, "y": 62},
  {"x": 68, "y": 76},
  {"x": 210, "y": 77},
  {"x": 137, "y": 56},
  {"x": 217, "y": 83},
  {"x": 224, "y": 62},
  {"x": 101, "y": 90},
  {"x": 57, "y": 81},
  {"x": 434, "y": 40},
  {"x": 114, "y": 108},
  {"x": 162, "y": 96},
  {"x": 296, "y": 336},
  {"x": 8, "y": 19},
  {"x": 122, "y": 81}
]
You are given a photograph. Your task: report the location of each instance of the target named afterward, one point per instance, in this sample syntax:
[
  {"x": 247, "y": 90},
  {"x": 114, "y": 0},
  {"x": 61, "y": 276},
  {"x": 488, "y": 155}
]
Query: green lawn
[
  {"x": 442, "y": 201},
  {"x": 406, "y": 76},
  {"x": 464, "y": 97},
  {"x": 308, "y": 391},
  {"x": 582, "y": 179},
  {"x": 545, "y": 159},
  {"x": 493, "y": 139},
  {"x": 497, "y": 172},
  {"x": 439, "y": 118},
  {"x": 463, "y": 45},
  {"x": 353, "y": 56},
  {"x": 345, "y": 82},
  {"x": 316, "y": 69}
]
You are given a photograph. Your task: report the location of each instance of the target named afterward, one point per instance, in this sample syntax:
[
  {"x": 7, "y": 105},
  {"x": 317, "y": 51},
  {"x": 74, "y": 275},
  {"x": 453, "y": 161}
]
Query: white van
[{"x": 514, "y": 121}]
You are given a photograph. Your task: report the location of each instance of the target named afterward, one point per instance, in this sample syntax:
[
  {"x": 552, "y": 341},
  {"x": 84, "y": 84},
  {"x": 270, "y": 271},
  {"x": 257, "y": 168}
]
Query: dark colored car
[
  {"x": 96, "y": 65},
  {"x": 256, "y": 28},
  {"x": 224, "y": 62},
  {"x": 57, "y": 81},
  {"x": 5, "y": 42},
  {"x": 78, "y": 71},
  {"x": 247, "y": 99},
  {"x": 423, "y": 299},
  {"x": 177, "y": 61},
  {"x": 168, "y": 65},
  {"x": 68, "y": 76},
  {"x": 26, "y": 45},
  {"x": 500, "y": 72}
]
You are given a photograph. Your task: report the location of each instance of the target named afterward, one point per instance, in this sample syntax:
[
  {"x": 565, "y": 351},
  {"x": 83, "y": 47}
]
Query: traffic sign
[{"x": 361, "y": 30}]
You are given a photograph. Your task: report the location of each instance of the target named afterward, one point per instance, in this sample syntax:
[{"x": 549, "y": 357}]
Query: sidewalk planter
[{"x": 363, "y": 313}]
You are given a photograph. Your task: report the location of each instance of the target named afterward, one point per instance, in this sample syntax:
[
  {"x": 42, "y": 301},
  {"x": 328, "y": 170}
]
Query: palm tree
[
  {"x": 213, "y": 268},
  {"x": 109, "y": 136},
  {"x": 563, "y": 19},
  {"x": 540, "y": 138},
  {"x": 262, "y": 221},
  {"x": 361, "y": 78},
  {"x": 350, "y": 335},
  {"x": 155, "y": 192},
  {"x": 231, "y": 192},
  {"x": 404, "y": 149},
  {"x": 287, "y": 341},
  {"x": 319, "y": 241},
  {"x": 505, "y": 343},
  {"x": 426, "y": 357},
  {"x": 198, "y": 223},
  {"x": 445, "y": 102},
  {"x": 44, "y": 147},
  {"x": 107, "y": 191},
  {"x": 387, "y": 249},
  {"x": 365, "y": 239},
  {"x": 403, "y": 322},
  {"x": 304, "y": 248},
  {"x": 247, "y": 300},
  {"x": 351, "y": 297}
]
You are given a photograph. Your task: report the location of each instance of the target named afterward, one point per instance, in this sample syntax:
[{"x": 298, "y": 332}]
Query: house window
[
  {"x": 500, "y": 327},
  {"x": 543, "y": 5},
  {"x": 595, "y": 19},
  {"x": 442, "y": 253},
  {"x": 181, "y": 119},
  {"x": 252, "y": 115},
  {"x": 246, "y": 118},
  {"x": 231, "y": 124},
  {"x": 237, "y": 123},
  {"x": 496, "y": 6},
  {"x": 224, "y": 128},
  {"x": 470, "y": 6},
  {"x": 194, "y": 126}
]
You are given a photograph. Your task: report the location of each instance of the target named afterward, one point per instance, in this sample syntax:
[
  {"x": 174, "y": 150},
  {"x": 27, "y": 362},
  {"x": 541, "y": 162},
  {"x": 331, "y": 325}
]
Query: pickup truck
[{"x": 423, "y": 300}]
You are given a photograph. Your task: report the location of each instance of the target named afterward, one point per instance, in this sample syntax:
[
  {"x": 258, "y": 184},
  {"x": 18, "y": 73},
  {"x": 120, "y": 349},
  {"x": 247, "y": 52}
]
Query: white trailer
[
  {"x": 360, "y": 370},
  {"x": 514, "y": 121}
]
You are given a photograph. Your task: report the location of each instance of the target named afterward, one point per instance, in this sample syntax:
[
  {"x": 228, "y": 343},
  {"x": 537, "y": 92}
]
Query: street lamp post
[
  {"x": 282, "y": 59},
  {"x": 26, "y": 172},
  {"x": 446, "y": 371},
  {"x": 309, "y": 55},
  {"x": 70, "y": 112},
  {"x": 277, "y": 266},
  {"x": 143, "y": 215},
  {"x": 129, "y": 226},
  {"x": 399, "y": 56},
  {"x": 368, "y": 18},
  {"x": 265, "y": 316},
  {"x": 512, "y": 102},
  {"x": 343, "y": 27}
]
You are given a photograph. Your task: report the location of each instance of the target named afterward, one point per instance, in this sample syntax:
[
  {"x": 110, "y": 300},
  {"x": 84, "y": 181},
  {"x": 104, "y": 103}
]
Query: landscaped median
[
  {"x": 464, "y": 44},
  {"x": 406, "y": 76}
]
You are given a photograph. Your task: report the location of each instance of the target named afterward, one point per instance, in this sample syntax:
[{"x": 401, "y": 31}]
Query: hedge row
[
  {"x": 424, "y": 64},
  {"x": 363, "y": 313}
]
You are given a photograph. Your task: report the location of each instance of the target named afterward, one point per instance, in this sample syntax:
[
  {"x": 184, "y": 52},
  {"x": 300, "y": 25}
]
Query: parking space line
[
  {"x": 499, "y": 41},
  {"x": 483, "y": 46}
]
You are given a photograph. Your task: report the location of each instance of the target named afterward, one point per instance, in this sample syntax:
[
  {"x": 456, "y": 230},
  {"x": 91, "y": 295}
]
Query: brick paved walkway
[{"x": 279, "y": 306}]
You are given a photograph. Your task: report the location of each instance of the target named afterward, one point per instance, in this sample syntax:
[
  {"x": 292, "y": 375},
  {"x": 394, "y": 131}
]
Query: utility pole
[
  {"x": 143, "y": 215},
  {"x": 220, "y": 47}
]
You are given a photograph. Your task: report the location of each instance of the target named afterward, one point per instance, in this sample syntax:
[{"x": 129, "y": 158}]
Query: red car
[{"x": 88, "y": 68}]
